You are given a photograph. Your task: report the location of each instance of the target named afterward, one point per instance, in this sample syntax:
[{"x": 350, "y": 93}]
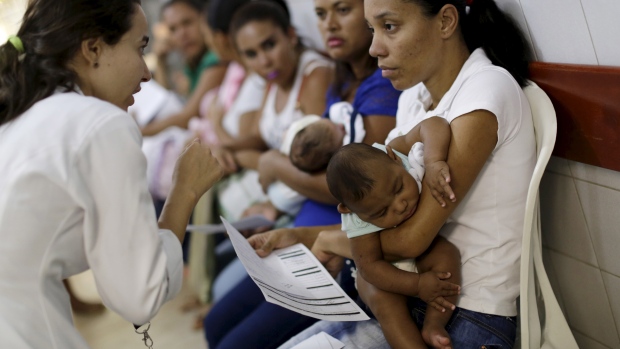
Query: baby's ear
[{"x": 342, "y": 209}]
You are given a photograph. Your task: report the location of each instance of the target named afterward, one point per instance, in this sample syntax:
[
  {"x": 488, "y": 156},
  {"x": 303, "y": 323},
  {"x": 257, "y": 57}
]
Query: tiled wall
[
  {"x": 581, "y": 225},
  {"x": 580, "y": 203}
]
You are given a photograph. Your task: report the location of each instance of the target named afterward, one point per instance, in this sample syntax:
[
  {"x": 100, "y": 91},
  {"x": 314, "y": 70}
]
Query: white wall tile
[
  {"x": 553, "y": 278},
  {"x": 585, "y": 299},
  {"x": 602, "y": 18},
  {"x": 513, "y": 8},
  {"x": 587, "y": 342},
  {"x": 612, "y": 285},
  {"x": 563, "y": 224},
  {"x": 559, "y": 165},
  {"x": 600, "y": 206},
  {"x": 596, "y": 175},
  {"x": 559, "y": 31}
]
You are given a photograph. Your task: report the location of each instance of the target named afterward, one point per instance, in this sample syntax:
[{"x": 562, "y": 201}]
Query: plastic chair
[{"x": 542, "y": 323}]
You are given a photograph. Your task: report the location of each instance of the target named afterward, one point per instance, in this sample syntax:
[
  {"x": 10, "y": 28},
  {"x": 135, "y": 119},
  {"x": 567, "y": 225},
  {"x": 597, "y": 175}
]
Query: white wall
[
  {"x": 580, "y": 203},
  {"x": 11, "y": 13}
]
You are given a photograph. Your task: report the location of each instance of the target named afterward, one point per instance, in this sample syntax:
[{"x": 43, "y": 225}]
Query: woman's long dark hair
[
  {"x": 52, "y": 32},
  {"x": 197, "y": 5},
  {"x": 345, "y": 81},
  {"x": 261, "y": 10},
  {"x": 488, "y": 27}
]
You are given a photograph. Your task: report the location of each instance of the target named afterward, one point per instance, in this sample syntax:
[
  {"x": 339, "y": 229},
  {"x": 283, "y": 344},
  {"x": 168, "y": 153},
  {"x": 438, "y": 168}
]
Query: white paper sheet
[
  {"x": 320, "y": 341},
  {"x": 251, "y": 222},
  {"x": 294, "y": 279}
]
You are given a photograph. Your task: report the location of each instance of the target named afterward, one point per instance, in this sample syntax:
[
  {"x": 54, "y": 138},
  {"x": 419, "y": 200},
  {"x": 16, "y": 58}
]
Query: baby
[
  {"x": 310, "y": 142},
  {"x": 378, "y": 188}
]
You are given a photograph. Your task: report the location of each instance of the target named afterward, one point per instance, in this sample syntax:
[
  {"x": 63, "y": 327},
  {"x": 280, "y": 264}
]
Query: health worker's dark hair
[{"x": 52, "y": 32}]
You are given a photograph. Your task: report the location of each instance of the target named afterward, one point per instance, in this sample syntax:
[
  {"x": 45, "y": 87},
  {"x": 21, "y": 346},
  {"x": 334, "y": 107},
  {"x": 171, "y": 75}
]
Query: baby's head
[
  {"x": 372, "y": 184},
  {"x": 315, "y": 144}
]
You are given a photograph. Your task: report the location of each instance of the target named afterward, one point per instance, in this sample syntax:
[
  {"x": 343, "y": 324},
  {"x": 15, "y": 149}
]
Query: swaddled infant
[{"x": 310, "y": 142}]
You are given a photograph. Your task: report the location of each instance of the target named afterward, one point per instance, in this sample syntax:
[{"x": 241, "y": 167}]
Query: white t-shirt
[
  {"x": 273, "y": 124},
  {"x": 487, "y": 225},
  {"x": 249, "y": 98},
  {"x": 74, "y": 196}
]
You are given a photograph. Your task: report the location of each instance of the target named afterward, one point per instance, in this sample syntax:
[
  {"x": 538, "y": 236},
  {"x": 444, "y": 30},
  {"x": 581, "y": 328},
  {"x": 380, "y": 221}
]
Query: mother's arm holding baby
[{"x": 474, "y": 136}]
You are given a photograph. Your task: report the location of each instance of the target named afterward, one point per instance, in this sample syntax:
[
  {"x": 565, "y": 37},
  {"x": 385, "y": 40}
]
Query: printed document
[
  {"x": 251, "y": 222},
  {"x": 294, "y": 279}
]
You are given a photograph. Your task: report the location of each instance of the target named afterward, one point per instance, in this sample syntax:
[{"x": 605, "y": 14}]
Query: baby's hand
[
  {"x": 432, "y": 289},
  {"x": 437, "y": 178}
]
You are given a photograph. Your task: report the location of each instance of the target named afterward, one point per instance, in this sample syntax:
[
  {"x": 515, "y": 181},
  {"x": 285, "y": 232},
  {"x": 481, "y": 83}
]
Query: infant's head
[
  {"x": 315, "y": 144},
  {"x": 372, "y": 184}
]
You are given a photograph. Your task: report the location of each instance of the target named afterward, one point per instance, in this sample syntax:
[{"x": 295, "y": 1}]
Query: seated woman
[
  {"x": 467, "y": 67},
  {"x": 243, "y": 318},
  {"x": 203, "y": 67},
  {"x": 296, "y": 77}
]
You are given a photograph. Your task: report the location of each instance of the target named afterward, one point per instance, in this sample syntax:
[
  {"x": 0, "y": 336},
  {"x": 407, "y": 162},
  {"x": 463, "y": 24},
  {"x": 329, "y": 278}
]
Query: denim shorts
[{"x": 472, "y": 330}]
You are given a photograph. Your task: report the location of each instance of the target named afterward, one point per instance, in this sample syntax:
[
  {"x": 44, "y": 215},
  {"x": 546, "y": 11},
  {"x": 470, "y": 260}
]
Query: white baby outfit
[{"x": 273, "y": 124}]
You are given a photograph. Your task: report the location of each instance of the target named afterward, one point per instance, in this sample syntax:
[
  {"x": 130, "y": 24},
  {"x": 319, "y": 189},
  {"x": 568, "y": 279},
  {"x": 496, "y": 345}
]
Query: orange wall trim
[{"x": 587, "y": 102}]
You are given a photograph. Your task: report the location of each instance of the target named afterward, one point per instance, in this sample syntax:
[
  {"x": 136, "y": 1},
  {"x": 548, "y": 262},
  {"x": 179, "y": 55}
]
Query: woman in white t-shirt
[
  {"x": 465, "y": 62},
  {"x": 297, "y": 78},
  {"x": 73, "y": 183}
]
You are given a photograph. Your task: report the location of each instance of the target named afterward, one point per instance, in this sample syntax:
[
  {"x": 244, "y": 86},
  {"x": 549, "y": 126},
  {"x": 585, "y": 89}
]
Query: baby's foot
[{"x": 436, "y": 336}]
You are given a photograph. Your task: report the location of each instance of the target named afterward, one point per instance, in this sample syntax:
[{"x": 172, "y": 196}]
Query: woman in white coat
[{"x": 72, "y": 176}]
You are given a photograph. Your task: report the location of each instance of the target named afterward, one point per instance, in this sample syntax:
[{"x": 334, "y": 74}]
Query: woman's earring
[{"x": 96, "y": 65}]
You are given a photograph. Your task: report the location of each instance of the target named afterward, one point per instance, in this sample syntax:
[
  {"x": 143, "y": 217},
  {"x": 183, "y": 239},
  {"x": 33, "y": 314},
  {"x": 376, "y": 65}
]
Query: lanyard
[{"x": 148, "y": 341}]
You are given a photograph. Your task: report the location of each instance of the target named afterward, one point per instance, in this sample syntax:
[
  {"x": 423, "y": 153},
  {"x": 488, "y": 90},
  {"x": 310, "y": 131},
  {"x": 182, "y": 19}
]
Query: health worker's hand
[{"x": 196, "y": 170}]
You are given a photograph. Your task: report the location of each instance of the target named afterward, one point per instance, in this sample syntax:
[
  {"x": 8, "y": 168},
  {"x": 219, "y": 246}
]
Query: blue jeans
[
  {"x": 470, "y": 329},
  {"x": 467, "y": 329}
]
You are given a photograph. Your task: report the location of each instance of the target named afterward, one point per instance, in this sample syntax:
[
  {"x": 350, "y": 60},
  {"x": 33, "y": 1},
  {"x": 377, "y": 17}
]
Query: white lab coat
[{"x": 73, "y": 196}]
